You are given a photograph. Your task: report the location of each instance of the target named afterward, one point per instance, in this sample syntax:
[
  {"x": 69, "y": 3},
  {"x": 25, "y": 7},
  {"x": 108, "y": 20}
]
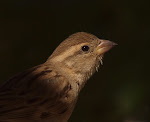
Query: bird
[{"x": 48, "y": 92}]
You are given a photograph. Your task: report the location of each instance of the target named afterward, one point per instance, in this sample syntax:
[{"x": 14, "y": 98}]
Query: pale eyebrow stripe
[{"x": 70, "y": 51}]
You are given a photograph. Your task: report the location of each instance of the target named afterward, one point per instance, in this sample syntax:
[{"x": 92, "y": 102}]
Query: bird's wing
[{"x": 34, "y": 94}]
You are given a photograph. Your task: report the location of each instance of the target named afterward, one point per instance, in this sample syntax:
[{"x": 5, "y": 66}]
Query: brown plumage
[{"x": 48, "y": 92}]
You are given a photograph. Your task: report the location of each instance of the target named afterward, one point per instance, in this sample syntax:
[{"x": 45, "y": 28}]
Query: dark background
[{"x": 31, "y": 29}]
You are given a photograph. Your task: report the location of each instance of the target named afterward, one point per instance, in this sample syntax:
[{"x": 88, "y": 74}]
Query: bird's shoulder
[
  {"x": 38, "y": 75},
  {"x": 36, "y": 93}
]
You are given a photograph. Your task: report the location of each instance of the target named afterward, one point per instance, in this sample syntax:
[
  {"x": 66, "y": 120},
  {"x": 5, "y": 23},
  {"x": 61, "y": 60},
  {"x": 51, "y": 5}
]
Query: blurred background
[{"x": 120, "y": 92}]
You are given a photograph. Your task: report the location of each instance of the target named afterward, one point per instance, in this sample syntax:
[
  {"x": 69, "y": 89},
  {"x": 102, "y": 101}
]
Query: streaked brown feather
[{"x": 32, "y": 93}]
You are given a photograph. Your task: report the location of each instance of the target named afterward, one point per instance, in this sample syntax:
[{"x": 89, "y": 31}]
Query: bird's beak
[{"x": 104, "y": 46}]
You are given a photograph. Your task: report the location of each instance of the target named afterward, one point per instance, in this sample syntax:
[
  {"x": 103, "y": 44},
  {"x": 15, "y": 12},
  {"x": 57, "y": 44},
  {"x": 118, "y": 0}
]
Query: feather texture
[{"x": 35, "y": 97}]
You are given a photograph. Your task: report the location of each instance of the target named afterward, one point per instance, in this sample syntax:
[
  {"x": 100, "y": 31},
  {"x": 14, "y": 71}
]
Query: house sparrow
[{"x": 48, "y": 92}]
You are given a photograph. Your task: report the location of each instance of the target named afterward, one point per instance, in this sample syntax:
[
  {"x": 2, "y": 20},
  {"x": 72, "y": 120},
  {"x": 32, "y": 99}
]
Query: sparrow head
[{"x": 81, "y": 52}]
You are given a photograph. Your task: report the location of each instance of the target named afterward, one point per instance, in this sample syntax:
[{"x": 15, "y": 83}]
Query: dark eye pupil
[{"x": 85, "y": 48}]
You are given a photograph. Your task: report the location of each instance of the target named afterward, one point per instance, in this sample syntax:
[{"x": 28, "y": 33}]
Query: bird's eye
[{"x": 85, "y": 48}]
